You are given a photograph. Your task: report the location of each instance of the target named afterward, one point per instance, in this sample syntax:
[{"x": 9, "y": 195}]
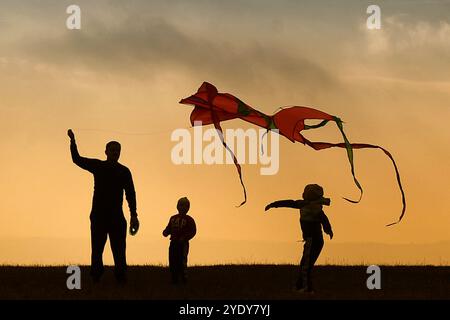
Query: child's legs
[
  {"x": 173, "y": 260},
  {"x": 176, "y": 259},
  {"x": 316, "y": 249},
  {"x": 184, "y": 257},
  {"x": 305, "y": 263},
  {"x": 311, "y": 251}
]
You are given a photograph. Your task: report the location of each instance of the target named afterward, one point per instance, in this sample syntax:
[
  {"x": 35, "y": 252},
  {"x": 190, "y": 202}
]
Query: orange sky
[{"x": 129, "y": 65}]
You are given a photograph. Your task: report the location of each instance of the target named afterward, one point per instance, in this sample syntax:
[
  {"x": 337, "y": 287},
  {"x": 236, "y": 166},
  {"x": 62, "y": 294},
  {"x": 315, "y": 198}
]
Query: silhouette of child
[
  {"x": 312, "y": 219},
  {"x": 181, "y": 229}
]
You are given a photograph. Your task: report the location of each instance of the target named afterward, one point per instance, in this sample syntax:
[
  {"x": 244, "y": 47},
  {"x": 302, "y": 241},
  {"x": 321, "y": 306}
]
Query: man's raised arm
[{"x": 84, "y": 163}]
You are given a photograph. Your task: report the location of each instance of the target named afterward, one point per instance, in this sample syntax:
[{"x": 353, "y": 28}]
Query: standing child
[
  {"x": 181, "y": 229},
  {"x": 312, "y": 219}
]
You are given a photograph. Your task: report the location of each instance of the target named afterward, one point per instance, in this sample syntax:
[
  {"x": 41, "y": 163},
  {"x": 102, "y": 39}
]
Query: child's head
[
  {"x": 312, "y": 192},
  {"x": 183, "y": 205}
]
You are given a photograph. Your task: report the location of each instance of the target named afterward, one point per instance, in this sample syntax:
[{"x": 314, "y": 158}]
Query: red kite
[{"x": 212, "y": 107}]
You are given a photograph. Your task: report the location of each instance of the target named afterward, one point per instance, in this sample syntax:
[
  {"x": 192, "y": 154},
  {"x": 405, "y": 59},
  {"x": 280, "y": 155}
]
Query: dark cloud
[
  {"x": 218, "y": 39},
  {"x": 140, "y": 48}
]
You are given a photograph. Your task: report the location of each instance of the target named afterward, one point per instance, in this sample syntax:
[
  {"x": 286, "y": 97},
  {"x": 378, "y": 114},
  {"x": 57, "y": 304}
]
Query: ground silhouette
[{"x": 267, "y": 282}]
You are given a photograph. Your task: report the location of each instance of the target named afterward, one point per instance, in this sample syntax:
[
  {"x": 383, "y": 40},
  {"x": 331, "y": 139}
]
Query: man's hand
[
  {"x": 331, "y": 234},
  {"x": 71, "y": 135},
  {"x": 134, "y": 225}
]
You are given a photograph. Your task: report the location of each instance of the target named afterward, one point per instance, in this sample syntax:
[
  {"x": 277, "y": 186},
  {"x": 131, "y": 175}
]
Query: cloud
[
  {"x": 409, "y": 49},
  {"x": 402, "y": 35},
  {"x": 143, "y": 47}
]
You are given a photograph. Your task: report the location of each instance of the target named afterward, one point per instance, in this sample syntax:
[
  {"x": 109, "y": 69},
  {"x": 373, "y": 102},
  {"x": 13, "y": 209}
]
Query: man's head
[
  {"x": 112, "y": 151},
  {"x": 183, "y": 205}
]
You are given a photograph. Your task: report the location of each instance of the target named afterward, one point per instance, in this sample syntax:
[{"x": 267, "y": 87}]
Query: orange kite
[{"x": 212, "y": 107}]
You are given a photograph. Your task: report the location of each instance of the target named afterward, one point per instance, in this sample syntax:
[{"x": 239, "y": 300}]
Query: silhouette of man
[{"x": 107, "y": 219}]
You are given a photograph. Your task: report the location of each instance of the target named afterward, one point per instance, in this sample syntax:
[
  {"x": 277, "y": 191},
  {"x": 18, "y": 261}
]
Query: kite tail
[
  {"x": 397, "y": 174},
  {"x": 262, "y": 140},
  {"x": 350, "y": 146},
  {"x": 347, "y": 145},
  {"x": 236, "y": 163}
]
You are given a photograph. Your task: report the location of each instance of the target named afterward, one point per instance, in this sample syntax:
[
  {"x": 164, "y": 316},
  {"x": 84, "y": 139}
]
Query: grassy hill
[{"x": 228, "y": 282}]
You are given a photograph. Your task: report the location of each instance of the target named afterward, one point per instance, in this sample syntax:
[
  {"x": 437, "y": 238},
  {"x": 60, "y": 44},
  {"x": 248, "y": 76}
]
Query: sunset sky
[{"x": 122, "y": 75}]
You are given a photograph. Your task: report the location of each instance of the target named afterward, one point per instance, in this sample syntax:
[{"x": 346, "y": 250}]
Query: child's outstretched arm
[{"x": 295, "y": 204}]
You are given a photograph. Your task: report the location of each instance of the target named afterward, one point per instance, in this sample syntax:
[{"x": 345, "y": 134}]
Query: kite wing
[{"x": 212, "y": 107}]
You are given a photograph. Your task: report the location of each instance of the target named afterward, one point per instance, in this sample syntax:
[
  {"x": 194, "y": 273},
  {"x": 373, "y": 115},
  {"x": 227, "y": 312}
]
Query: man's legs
[
  {"x": 98, "y": 240},
  {"x": 117, "y": 240}
]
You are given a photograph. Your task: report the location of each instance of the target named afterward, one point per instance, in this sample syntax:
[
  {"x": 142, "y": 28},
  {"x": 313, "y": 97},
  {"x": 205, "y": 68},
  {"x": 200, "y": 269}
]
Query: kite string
[{"x": 128, "y": 133}]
